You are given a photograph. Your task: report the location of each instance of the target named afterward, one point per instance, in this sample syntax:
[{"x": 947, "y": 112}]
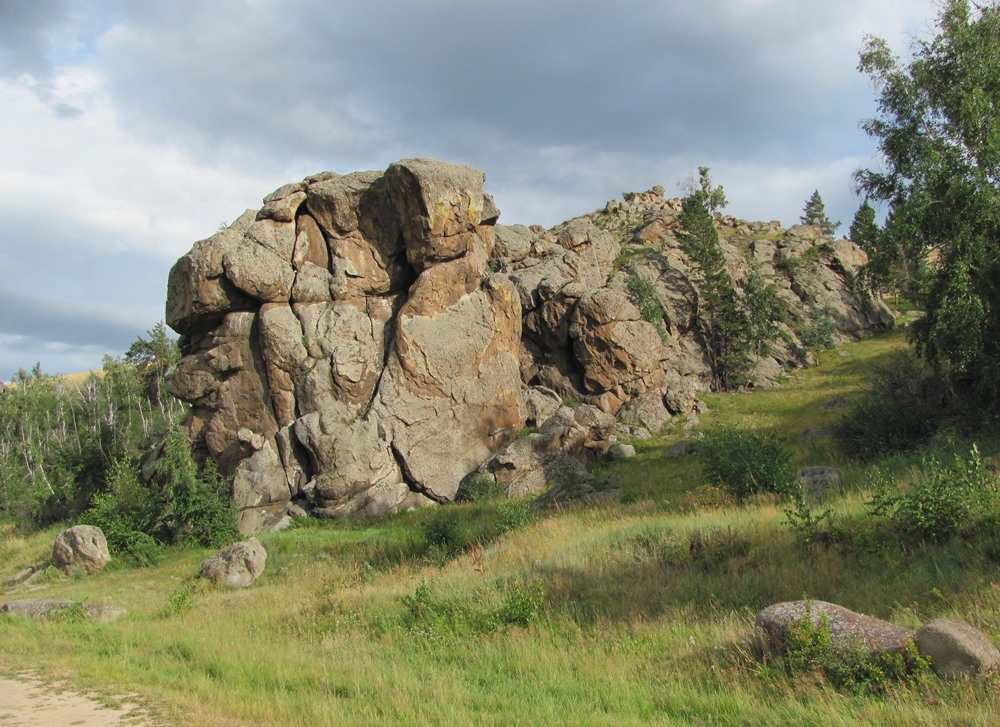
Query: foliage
[
  {"x": 713, "y": 196},
  {"x": 721, "y": 319},
  {"x": 746, "y": 462},
  {"x": 152, "y": 358},
  {"x": 866, "y": 234},
  {"x": 938, "y": 130},
  {"x": 196, "y": 506},
  {"x": 180, "y": 505},
  {"x": 814, "y": 213},
  {"x": 809, "y": 647},
  {"x": 763, "y": 313},
  {"x": 58, "y": 436},
  {"x": 128, "y": 513},
  {"x": 818, "y": 334},
  {"x": 513, "y": 515},
  {"x": 897, "y": 410},
  {"x": 815, "y": 526},
  {"x": 943, "y": 502},
  {"x": 481, "y": 488},
  {"x": 642, "y": 292}
]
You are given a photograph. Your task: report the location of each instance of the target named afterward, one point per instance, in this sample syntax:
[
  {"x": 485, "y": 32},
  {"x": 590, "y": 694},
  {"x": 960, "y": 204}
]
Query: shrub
[
  {"x": 642, "y": 292},
  {"x": 520, "y": 607},
  {"x": 896, "y": 411},
  {"x": 479, "y": 488},
  {"x": 127, "y": 513},
  {"x": 746, "y": 462},
  {"x": 196, "y": 505},
  {"x": 944, "y": 501},
  {"x": 818, "y": 335},
  {"x": 513, "y": 515},
  {"x": 815, "y": 526}
]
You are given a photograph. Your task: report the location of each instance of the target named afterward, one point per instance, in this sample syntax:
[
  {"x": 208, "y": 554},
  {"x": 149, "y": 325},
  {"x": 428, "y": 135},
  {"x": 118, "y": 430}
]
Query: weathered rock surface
[
  {"x": 237, "y": 565},
  {"x": 42, "y": 608},
  {"x": 771, "y": 627},
  {"x": 819, "y": 482},
  {"x": 364, "y": 342},
  {"x": 82, "y": 547},
  {"x": 956, "y": 649}
]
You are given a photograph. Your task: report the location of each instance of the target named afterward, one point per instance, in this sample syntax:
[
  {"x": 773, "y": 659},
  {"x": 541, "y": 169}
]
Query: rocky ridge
[{"x": 365, "y": 342}]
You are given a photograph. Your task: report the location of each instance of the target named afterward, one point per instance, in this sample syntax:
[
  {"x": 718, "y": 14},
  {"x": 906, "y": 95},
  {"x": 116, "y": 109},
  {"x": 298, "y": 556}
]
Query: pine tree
[
  {"x": 866, "y": 234},
  {"x": 718, "y": 313},
  {"x": 814, "y": 213}
]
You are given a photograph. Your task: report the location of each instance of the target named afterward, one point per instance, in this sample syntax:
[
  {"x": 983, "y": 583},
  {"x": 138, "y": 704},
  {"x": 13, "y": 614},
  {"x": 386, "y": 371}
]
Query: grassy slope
[{"x": 647, "y": 607}]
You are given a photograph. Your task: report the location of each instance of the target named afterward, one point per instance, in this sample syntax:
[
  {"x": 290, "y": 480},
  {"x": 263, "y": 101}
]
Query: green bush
[
  {"x": 513, "y": 515},
  {"x": 180, "y": 505},
  {"x": 943, "y": 501},
  {"x": 818, "y": 335},
  {"x": 197, "y": 507},
  {"x": 642, "y": 292},
  {"x": 746, "y": 462},
  {"x": 480, "y": 488},
  {"x": 896, "y": 411},
  {"x": 127, "y": 514}
]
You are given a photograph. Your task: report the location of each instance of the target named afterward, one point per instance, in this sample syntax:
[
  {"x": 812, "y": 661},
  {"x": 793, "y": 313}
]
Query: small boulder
[
  {"x": 238, "y": 565},
  {"x": 681, "y": 449},
  {"x": 771, "y": 627},
  {"x": 956, "y": 649},
  {"x": 82, "y": 547},
  {"x": 621, "y": 451},
  {"x": 818, "y": 483}
]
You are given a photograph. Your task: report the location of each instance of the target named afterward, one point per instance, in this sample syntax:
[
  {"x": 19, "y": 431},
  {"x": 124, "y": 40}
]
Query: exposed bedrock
[{"x": 364, "y": 342}]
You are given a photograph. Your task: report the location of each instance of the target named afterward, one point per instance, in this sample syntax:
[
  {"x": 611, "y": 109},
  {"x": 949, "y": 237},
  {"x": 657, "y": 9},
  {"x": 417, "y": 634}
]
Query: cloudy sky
[{"x": 129, "y": 129}]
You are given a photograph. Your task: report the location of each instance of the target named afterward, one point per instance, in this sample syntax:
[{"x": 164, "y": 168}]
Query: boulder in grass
[
  {"x": 956, "y": 649},
  {"x": 82, "y": 547},
  {"x": 48, "y": 607},
  {"x": 772, "y": 627},
  {"x": 238, "y": 565}
]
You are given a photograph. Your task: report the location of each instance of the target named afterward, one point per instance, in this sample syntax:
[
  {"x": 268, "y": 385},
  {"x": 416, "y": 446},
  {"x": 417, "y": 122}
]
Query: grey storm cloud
[
  {"x": 564, "y": 105},
  {"x": 352, "y": 79},
  {"x": 24, "y": 35}
]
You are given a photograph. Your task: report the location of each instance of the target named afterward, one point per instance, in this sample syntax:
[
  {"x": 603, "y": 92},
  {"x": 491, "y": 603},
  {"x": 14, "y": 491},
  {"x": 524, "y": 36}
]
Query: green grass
[{"x": 629, "y": 614}]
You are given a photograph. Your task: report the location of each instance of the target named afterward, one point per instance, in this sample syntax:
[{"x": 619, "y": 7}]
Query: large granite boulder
[
  {"x": 347, "y": 346},
  {"x": 847, "y": 628},
  {"x": 82, "y": 547}
]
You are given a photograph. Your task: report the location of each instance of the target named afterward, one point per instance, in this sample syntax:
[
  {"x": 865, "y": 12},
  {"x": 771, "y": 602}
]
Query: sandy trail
[{"x": 29, "y": 703}]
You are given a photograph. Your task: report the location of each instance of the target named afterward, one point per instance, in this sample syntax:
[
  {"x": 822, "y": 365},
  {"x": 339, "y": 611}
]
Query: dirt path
[{"x": 30, "y": 703}]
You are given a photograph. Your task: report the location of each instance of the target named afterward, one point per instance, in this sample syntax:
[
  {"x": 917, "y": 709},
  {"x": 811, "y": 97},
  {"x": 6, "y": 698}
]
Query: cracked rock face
[
  {"x": 364, "y": 342},
  {"x": 348, "y": 341}
]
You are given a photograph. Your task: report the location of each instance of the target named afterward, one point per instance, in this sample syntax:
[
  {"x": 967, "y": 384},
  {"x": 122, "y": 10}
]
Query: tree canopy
[{"x": 938, "y": 130}]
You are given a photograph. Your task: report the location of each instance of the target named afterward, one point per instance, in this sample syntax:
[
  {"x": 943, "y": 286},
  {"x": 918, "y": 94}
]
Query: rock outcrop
[{"x": 364, "y": 342}]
